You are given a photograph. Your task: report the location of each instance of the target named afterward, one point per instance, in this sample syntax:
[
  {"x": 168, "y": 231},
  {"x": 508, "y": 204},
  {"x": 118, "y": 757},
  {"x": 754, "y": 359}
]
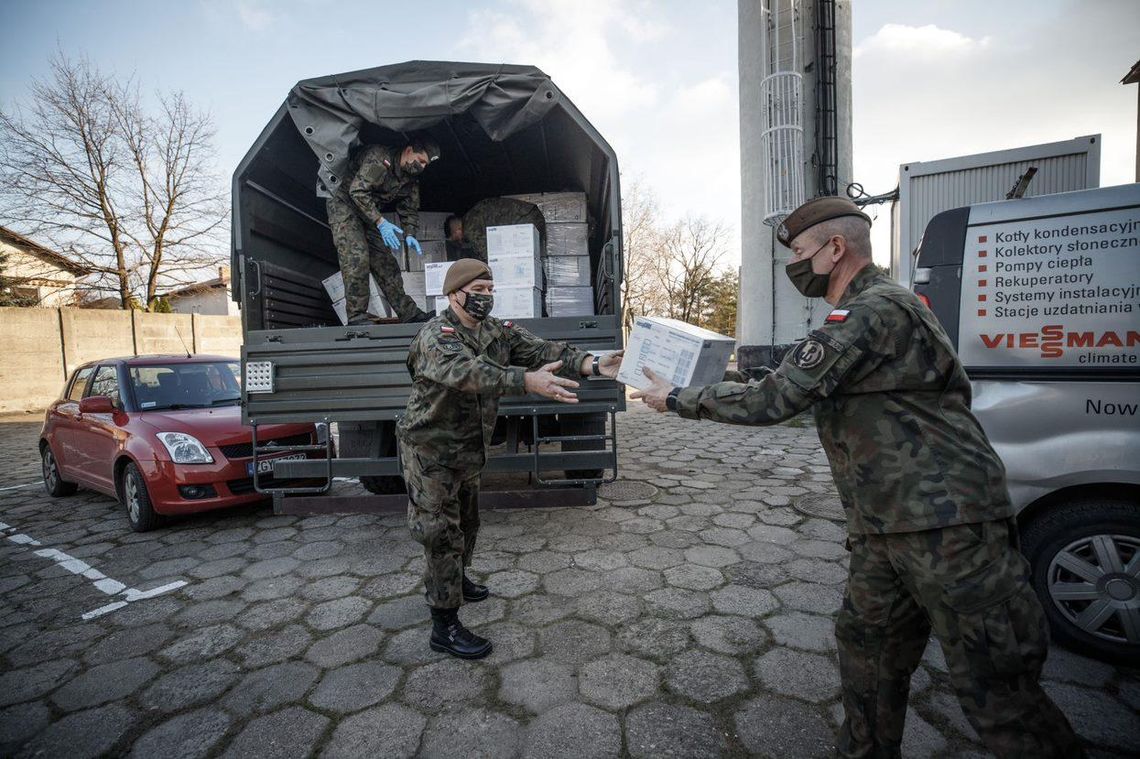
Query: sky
[{"x": 931, "y": 78}]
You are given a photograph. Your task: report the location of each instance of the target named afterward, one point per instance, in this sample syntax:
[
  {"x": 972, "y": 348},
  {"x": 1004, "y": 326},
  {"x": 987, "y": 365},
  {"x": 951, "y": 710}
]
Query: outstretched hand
[
  {"x": 609, "y": 364},
  {"x": 654, "y": 395},
  {"x": 547, "y": 384}
]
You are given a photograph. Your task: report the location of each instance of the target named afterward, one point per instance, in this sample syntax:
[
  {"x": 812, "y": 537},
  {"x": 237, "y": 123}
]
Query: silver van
[{"x": 1041, "y": 297}]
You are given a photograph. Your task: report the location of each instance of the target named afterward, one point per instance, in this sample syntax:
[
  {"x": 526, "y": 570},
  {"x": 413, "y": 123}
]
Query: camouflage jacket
[
  {"x": 377, "y": 183},
  {"x": 892, "y": 406},
  {"x": 458, "y": 377}
]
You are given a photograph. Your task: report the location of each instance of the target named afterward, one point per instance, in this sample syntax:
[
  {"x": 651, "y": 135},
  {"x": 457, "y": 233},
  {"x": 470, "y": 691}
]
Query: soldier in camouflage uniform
[
  {"x": 468, "y": 237},
  {"x": 461, "y": 363},
  {"x": 933, "y": 540},
  {"x": 380, "y": 178}
]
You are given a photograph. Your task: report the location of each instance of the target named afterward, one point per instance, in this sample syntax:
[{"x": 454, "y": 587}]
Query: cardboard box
[
  {"x": 415, "y": 288},
  {"x": 441, "y": 303},
  {"x": 566, "y": 239},
  {"x": 567, "y": 271},
  {"x": 377, "y": 305},
  {"x": 558, "y": 206},
  {"x": 570, "y": 301},
  {"x": 434, "y": 272},
  {"x": 683, "y": 354},
  {"x": 516, "y": 271},
  {"x": 513, "y": 240},
  {"x": 517, "y": 303},
  {"x": 434, "y": 252},
  {"x": 431, "y": 226}
]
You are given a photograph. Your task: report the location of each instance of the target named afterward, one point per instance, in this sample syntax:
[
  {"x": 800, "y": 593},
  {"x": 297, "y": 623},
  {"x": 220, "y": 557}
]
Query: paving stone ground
[{"x": 694, "y": 621}]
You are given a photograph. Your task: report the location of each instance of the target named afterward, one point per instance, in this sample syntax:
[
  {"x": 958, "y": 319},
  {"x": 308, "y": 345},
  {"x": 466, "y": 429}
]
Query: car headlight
[{"x": 185, "y": 449}]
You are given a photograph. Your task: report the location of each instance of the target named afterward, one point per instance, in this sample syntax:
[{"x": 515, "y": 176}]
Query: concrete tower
[{"x": 795, "y": 144}]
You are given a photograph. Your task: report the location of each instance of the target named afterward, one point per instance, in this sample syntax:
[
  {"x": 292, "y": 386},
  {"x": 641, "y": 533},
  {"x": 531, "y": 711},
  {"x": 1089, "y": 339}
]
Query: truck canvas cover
[{"x": 332, "y": 111}]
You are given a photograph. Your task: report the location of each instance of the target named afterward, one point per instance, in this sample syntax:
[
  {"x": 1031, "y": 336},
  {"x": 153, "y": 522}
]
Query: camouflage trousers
[
  {"x": 970, "y": 585},
  {"x": 360, "y": 249},
  {"x": 443, "y": 516}
]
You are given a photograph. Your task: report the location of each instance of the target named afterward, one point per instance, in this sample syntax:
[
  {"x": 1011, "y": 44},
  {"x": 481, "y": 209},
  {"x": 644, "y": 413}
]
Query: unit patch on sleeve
[
  {"x": 838, "y": 315},
  {"x": 447, "y": 330},
  {"x": 808, "y": 354}
]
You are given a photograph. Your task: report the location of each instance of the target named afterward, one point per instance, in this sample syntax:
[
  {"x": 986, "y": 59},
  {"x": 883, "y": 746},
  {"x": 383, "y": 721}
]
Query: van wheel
[
  {"x": 140, "y": 513},
  {"x": 384, "y": 485},
  {"x": 1085, "y": 558},
  {"x": 54, "y": 483}
]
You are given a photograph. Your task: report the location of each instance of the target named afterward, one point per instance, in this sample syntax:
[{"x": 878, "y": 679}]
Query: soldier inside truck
[{"x": 382, "y": 178}]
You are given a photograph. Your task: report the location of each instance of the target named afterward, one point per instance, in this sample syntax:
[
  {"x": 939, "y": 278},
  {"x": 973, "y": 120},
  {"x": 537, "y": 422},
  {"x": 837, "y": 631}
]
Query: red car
[{"x": 162, "y": 434}]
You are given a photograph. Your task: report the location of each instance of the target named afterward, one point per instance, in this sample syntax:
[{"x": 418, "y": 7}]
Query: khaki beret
[
  {"x": 463, "y": 272},
  {"x": 816, "y": 211}
]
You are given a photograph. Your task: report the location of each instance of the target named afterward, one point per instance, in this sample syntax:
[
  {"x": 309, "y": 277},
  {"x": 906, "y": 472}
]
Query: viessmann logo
[{"x": 1054, "y": 339}]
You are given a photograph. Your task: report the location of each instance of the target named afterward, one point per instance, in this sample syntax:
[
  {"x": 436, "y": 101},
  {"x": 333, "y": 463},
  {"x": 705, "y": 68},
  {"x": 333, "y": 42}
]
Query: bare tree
[
  {"x": 127, "y": 193},
  {"x": 688, "y": 253},
  {"x": 640, "y": 291}
]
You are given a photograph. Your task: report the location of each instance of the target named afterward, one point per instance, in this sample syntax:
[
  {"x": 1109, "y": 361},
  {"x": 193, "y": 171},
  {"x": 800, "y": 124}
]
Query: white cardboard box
[
  {"x": 441, "y": 303},
  {"x": 513, "y": 240},
  {"x": 517, "y": 303},
  {"x": 434, "y": 272},
  {"x": 516, "y": 271},
  {"x": 683, "y": 354},
  {"x": 377, "y": 305},
  {"x": 567, "y": 271}
]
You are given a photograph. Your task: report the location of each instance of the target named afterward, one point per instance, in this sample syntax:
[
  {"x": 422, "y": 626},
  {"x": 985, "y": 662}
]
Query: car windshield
[{"x": 186, "y": 385}]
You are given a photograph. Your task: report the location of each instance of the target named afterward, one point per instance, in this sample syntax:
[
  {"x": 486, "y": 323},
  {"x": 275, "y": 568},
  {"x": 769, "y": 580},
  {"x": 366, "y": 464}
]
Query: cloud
[
  {"x": 255, "y": 16},
  {"x": 572, "y": 43},
  {"x": 927, "y": 41},
  {"x": 672, "y": 122}
]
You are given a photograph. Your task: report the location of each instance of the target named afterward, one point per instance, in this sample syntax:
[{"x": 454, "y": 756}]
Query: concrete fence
[{"x": 40, "y": 347}]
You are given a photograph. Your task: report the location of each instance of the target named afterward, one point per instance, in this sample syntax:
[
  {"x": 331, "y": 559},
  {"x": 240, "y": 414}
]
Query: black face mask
[
  {"x": 805, "y": 279},
  {"x": 415, "y": 168},
  {"x": 478, "y": 305}
]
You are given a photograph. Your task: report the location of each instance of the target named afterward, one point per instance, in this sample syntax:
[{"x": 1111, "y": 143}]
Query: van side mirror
[{"x": 97, "y": 404}]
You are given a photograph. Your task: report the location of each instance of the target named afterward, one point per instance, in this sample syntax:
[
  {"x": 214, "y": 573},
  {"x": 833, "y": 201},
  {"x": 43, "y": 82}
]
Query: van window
[{"x": 79, "y": 383}]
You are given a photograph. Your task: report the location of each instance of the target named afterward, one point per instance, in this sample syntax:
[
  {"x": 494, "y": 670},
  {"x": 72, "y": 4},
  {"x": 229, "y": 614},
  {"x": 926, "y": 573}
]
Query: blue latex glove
[
  {"x": 414, "y": 244},
  {"x": 389, "y": 232}
]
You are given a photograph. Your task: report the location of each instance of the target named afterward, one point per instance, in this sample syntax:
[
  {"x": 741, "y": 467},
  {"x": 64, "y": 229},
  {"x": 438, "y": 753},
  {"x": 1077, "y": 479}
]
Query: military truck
[{"x": 503, "y": 130}]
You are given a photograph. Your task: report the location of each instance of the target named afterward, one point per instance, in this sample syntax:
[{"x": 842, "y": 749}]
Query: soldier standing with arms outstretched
[
  {"x": 461, "y": 363},
  {"x": 932, "y": 534}
]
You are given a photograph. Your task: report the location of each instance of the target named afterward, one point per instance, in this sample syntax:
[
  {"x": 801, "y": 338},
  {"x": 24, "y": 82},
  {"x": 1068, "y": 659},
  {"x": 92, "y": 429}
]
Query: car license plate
[{"x": 265, "y": 466}]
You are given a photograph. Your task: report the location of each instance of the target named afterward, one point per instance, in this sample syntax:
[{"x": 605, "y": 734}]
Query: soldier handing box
[
  {"x": 461, "y": 362},
  {"x": 933, "y": 540}
]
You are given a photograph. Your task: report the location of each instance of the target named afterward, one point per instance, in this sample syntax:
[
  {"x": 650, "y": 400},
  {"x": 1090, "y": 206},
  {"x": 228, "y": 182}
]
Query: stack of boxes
[
  {"x": 431, "y": 240},
  {"x": 514, "y": 254},
  {"x": 567, "y": 259}
]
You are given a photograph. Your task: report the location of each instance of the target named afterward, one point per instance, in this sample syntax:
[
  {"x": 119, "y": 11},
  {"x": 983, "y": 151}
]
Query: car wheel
[
  {"x": 54, "y": 483},
  {"x": 1085, "y": 557},
  {"x": 140, "y": 513}
]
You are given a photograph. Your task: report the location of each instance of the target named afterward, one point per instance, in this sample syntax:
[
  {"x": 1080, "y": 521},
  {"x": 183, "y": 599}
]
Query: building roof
[
  {"x": 1133, "y": 76},
  {"x": 17, "y": 240},
  {"x": 196, "y": 288}
]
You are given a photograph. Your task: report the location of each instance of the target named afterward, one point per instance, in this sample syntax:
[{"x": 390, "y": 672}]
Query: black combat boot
[
  {"x": 422, "y": 316},
  {"x": 362, "y": 320},
  {"x": 473, "y": 591},
  {"x": 449, "y": 636}
]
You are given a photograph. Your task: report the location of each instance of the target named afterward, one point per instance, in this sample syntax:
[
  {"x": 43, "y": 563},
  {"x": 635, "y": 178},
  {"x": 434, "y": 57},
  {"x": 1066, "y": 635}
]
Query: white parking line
[
  {"x": 16, "y": 487},
  {"x": 101, "y": 581}
]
